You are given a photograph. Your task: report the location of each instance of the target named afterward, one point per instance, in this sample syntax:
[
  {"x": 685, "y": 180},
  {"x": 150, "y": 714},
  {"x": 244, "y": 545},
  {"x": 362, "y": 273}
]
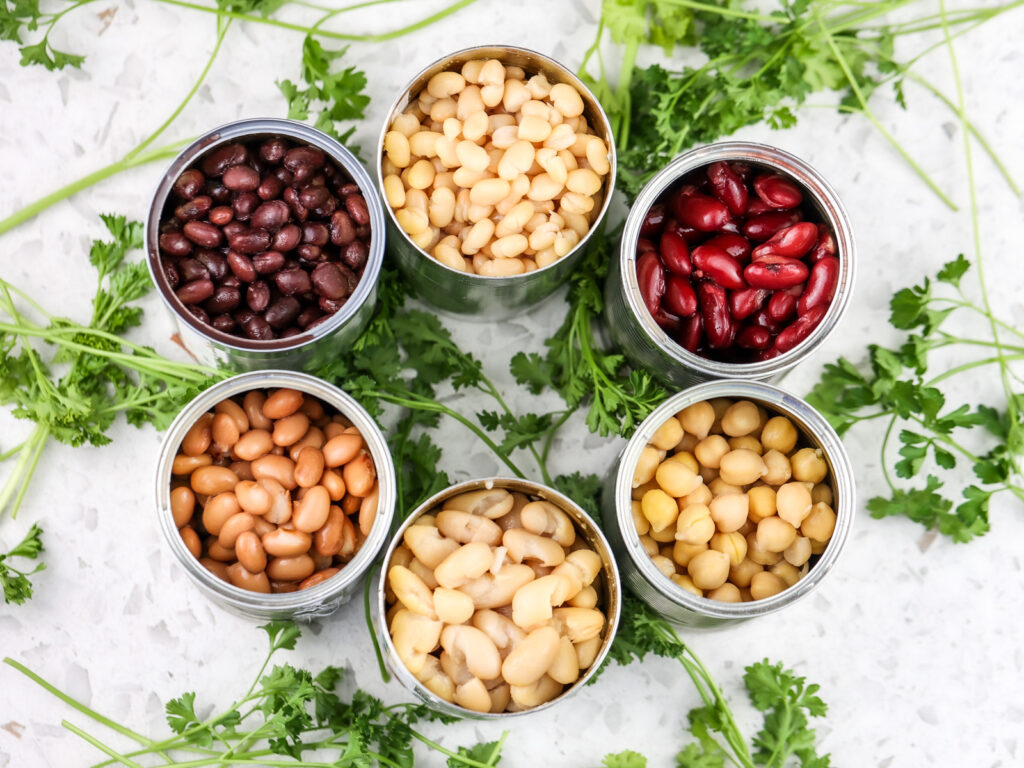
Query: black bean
[
  {"x": 356, "y": 207},
  {"x": 202, "y": 233},
  {"x": 175, "y": 244},
  {"x": 304, "y": 157},
  {"x": 314, "y": 196},
  {"x": 342, "y": 230},
  {"x": 287, "y": 238},
  {"x": 225, "y": 298},
  {"x": 268, "y": 262},
  {"x": 257, "y": 328},
  {"x": 193, "y": 269},
  {"x": 271, "y": 216},
  {"x": 330, "y": 306},
  {"x": 251, "y": 241},
  {"x": 242, "y": 266},
  {"x": 232, "y": 280},
  {"x": 258, "y": 296},
  {"x": 315, "y": 233},
  {"x": 291, "y": 196},
  {"x": 244, "y": 204},
  {"x": 355, "y": 254},
  {"x": 189, "y": 184},
  {"x": 283, "y": 312},
  {"x": 310, "y": 253},
  {"x": 195, "y": 291},
  {"x": 221, "y": 215},
  {"x": 308, "y": 316},
  {"x": 286, "y": 176},
  {"x": 233, "y": 228},
  {"x": 347, "y": 189},
  {"x": 273, "y": 150},
  {"x": 224, "y": 323},
  {"x": 171, "y": 275},
  {"x": 329, "y": 282},
  {"x": 329, "y": 206},
  {"x": 218, "y": 192},
  {"x": 215, "y": 264},
  {"x": 270, "y": 187},
  {"x": 292, "y": 281},
  {"x": 241, "y": 178},
  {"x": 193, "y": 209},
  {"x": 289, "y": 332},
  {"x": 199, "y": 313},
  {"x": 222, "y": 158}
]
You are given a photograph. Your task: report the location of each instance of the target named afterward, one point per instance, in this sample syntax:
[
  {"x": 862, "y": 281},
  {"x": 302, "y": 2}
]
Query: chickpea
[
  {"x": 730, "y": 511},
  {"x": 741, "y": 467},
  {"x": 710, "y": 450},
  {"x": 676, "y": 479},
  {"x": 741, "y": 574},
  {"x": 697, "y": 419},
  {"x": 786, "y": 571},
  {"x": 683, "y": 552},
  {"x": 799, "y": 552},
  {"x": 727, "y": 593},
  {"x": 709, "y": 569},
  {"x": 659, "y": 508},
  {"x": 665, "y": 565},
  {"x": 685, "y": 582},
  {"x": 646, "y": 466},
  {"x": 822, "y": 492},
  {"x": 793, "y": 502},
  {"x": 763, "y": 502},
  {"x": 740, "y": 418},
  {"x": 749, "y": 442},
  {"x": 688, "y": 460},
  {"x": 694, "y": 525},
  {"x": 774, "y": 534},
  {"x": 820, "y": 524},
  {"x": 779, "y": 470},
  {"x": 779, "y": 434},
  {"x": 732, "y": 544},
  {"x": 668, "y": 435},
  {"x": 765, "y": 584},
  {"x": 809, "y": 465}
]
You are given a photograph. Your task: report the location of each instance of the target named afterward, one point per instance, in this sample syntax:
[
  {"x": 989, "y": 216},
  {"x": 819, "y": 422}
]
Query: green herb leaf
[
  {"x": 16, "y": 584},
  {"x": 625, "y": 759}
]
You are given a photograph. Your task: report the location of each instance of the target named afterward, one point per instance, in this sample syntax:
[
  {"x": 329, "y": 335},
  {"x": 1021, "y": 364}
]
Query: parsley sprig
[
  {"x": 786, "y": 700},
  {"x": 289, "y": 716},
  {"x": 16, "y": 584}
]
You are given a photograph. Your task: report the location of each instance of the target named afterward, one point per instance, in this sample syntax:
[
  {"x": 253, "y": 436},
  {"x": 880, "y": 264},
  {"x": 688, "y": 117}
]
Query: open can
[
  {"x": 305, "y": 604},
  {"x": 606, "y": 584},
  {"x": 484, "y": 297},
  {"x": 639, "y": 572},
  {"x": 320, "y": 343},
  {"x": 634, "y": 329}
]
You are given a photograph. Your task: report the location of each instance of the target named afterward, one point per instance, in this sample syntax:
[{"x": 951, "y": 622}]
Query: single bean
[
  {"x": 219, "y": 160},
  {"x": 183, "y": 503},
  {"x": 279, "y": 468},
  {"x": 679, "y": 297},
  {"x": 250, "y": 242},
  {"x": 719, "y": 266},
  {"x": 186, "y": 465},
  {"x": 285, "y": 543},
  {"x": 354, "y": 256},
  {"x": 257, "y": 296},
  {"x": 359, "y": 474},
  {"x": 193, "y": 269},
  {"x": 701, "y": 212},
  {"x": 777, "y": 191},
  {"x": 753, "y": 337},
  {"x": 315, "y": 233},
  {"x": 781, "y": 306},
  {"x": 728, "y": 187},
  {"x": 826, "y": 245},
  {"x": 309, "y": 467},
  {"x": 195, "y": 292},
  {"x": 654, "y": 221},
  {"x": 821, "y": 285},
  {"x": 675, "y": 253},
  {"x": 191, "y": 540},
  {"x": 319, "y": 578},
  {"x": 189, "y": 184},
  {"x": 242, "y": 266},
  {"x": 268, "y": 262},
  {"x": 312, "y": 510},
  {"x": 282, "y": 402},
  {"x": 775, "y": 273},
  {"x": 283, "y": 312},
  {"x": 287, "y": 238},
  {"x": 714, "y": 310},
  {"x": 799, "y": 329},
  {"x": 293, "y": 281},
  {"x": 270, "y": 188},
  {"x": 175, "y": 243},
  {"x": 342, "y": 448},
  {"x": 328, "y": 281},
  {"x": 240, "y": 178},
  {"x": 733, "y": 244},
  {"x": 243, "y": 578},
  {"x": 651, "y": 279},
  {"x": 692, "y": 332},
  {"x": 194, "y": 208},
  {"x": 270, "y": 216},
  {"x": 745, "y": 302},
  {"x": 793, "y": 241},
  {"x": 762, "y": 226}
]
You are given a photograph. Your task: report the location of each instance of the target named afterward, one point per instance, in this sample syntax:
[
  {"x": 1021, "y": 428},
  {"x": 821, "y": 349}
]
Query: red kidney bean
[
  {"x": 764, "y": 225},
  {"x": 643, "y": 244},
  {"x": 745, "y": 302},
  {"x": 315, "y": 232},
  {"x": 193, "y": 269},
  {"x": 753, "y": 337},
  {"x": 756, "y": 206},
  {"x": 257, "y": 296},
  {"x": 821, "y": 285},
  {"x": 775, "y": 272},
  {"x": 270, "y": 188},
  {"x": 223, "y": 323},
  {"x": 342, "y": 230},
  {"x": 195, "y": 291},
  {"x": 241, "y": 266},
  {"x": 826, "y": 245},
  {"x": 799, "y": 329},
  {"x": 293, "y": 281},
  {"x": 328, "y": 281},
  {"x": 714, "y": 309},
  {"x": 355, "y": 255},
  {"x": 719, "y": 266},
  {"x": 728, "y": 187},
  {"x": 689, "y": 234},
  {"x": 651, "y": 278},
  {"x": 653, "y": 221},
  {"x": 221, "y": 215},
  {"x": 744, "y": 170},
  {"x": 781, "y": 306},
  {"x": 268, "y": 262},
  {"x": 225, "y": 298},
  {"x": 222, "y": 158},
  {"x": 189, "y": 184},
  {"x": 792, "y": 242},
  {"x": 241, "y": 178},
  {"x": 271, "y": 216},
  {"x": 763, "y": 319},
  {"x": 777, "y": 191},
  {"x": 202, "y": 233},
  {"x": 357, "y": 209},
  {"x": 679, "y": 296},
  {"x": 735, "y": 245},
  {"x": 250, "y": 242},
  {"x": 175, "y": 243},
  {"x": 215, "y": 264},
  {"x": 692, "y": 333},
  {"x": 675, "y": 253},
  {"x": 701, "y": 212},
  {"x": 257, "y": 328},
  {"x": 194, "y": 208},
  {"x": 282, "y": 312},
  {"x": 287, "y": 238}
]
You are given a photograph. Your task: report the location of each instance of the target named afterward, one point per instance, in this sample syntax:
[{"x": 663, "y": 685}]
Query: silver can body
[
  {"x": 640, "y": 337},
  {"x": 462, "y": 293},
  {"x": 607, "y": 584},
  {"x": 310, "y": 349},
  {"x": 640, "y": 574},
  {"x": 304, "y": 605}
]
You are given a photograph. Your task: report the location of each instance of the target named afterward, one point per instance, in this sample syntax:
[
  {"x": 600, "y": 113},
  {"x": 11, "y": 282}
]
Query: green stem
[
  {"x": 117, "y": 757},
  {"x": 447, "y": 752},
  {"x": 18, "y": 481},
  {"x": 723, "y": 11},
  {"x": 368, "y": 581},
  {"x": 969, "y": 366},
  {"x": 41, "y": 436},
  {"x": 549, "y": 440},
  {"x": 11, "y": 452},
  {"x": 885, "y": 444}
]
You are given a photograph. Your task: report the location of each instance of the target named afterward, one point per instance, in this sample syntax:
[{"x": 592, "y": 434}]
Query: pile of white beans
[
  {"x": 728, "y": 504},
  {"x": 492, "y": 601},
  {"x": 494, "y": 172}
]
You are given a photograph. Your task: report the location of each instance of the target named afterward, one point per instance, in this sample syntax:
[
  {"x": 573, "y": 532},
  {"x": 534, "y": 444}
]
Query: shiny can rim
[
  {"x": 252, "y": 127},
  {"x": 812, "y": 425},
  {"x": 594, "y": 537},
  {"x": 828, "y": 204},
  {"x": 243, "y": 599}
]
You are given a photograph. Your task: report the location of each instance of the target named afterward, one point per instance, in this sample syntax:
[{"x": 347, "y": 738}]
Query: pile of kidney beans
[
  {"x": 264, "y": 239},
  {"x": 735, "y": 265}
]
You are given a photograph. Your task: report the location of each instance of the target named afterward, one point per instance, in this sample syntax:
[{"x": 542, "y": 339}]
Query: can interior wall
[
  {"x": 647, "y": 345},
  {"x": 308, "y": 350},
  {"x": 638, "y": 570},
  {"x": 308, "y": 604},
  {"x": 609, "y": 589},
  {"x": 490, "y": 298}
]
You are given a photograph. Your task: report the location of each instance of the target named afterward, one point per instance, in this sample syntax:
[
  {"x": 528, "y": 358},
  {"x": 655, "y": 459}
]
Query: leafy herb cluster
[
  {"x": 16, "y": 584},
  {"x": 288, "y": 716}
]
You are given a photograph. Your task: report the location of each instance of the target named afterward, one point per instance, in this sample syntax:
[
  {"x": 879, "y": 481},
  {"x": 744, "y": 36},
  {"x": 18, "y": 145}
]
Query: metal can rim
[
  {"x": 570, "y": 77},
  {"x": 580, "y": 518},
  {"x": 251, "y": 127},
  {"x": 811, "y": 424},
  {"x": 826, "y": 199},
  {"x": 247, "y": 600}
]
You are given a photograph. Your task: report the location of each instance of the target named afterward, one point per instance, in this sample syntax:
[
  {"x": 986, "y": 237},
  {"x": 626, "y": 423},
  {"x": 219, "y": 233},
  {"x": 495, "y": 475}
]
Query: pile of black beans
[{"x": 264, "y": 239}]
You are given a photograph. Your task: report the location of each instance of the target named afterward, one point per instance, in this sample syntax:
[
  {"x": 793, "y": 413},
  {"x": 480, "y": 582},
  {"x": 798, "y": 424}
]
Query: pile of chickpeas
[
  {"x": 272, "y": 492},
  {"x": 494, "y": 172},
  {"x": 492, "y": 601},
  {"x": 728, "y": 502}
]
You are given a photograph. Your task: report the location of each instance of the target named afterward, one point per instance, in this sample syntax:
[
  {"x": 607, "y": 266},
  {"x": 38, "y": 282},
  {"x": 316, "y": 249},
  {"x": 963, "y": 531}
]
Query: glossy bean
[
  {"x": 799, "y": 329},
  {"x": 714, "y": 309},
  {"x": 719, "y": 266},
  {"x": 821, "y": 285},
  {"x": 651, "y": 279},
  {"x": 728, "y": 187},
  {"x": 775, "y": 273}
]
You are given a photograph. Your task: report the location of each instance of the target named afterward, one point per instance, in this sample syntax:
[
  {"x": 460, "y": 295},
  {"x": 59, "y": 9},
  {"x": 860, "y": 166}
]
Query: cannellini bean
[
  {"x": 579, "y": 624},
  {"x": 533, "y": 602},
  {"x": 466, "y": 563},
  {"x": 531, "y": 657},
  {"x": 545, "y": 519},
  {"x": 493, "y": 590},
  {"x": 465, "y": 527},
  {"x": 411, "y": 591}
]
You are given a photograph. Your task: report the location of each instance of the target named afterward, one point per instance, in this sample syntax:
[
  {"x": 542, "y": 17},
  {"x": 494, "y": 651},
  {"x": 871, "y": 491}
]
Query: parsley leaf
[
  {"x": 625, "y": 759},
  {"x": 787, "y": 702},
  {"x": 16, "y": 584}
]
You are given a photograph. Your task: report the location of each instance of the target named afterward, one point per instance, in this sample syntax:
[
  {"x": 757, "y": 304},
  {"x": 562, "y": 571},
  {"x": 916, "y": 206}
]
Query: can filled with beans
[
  {"x": 496, "y": 166},
  {"x": 736, "y": 262},
  {"x": 497, "y": 597},
  {"x": 275, "y": 491},
  {"x": 732, "y": 500},
  {"x": 265, "y": 239}
]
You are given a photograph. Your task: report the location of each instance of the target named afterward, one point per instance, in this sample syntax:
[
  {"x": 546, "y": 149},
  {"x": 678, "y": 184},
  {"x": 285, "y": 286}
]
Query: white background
[{"x": 914, "y": 640}]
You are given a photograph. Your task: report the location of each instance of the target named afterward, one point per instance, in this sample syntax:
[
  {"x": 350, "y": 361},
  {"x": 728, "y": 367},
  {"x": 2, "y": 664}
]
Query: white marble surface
[{"x": 915, "y": 641}]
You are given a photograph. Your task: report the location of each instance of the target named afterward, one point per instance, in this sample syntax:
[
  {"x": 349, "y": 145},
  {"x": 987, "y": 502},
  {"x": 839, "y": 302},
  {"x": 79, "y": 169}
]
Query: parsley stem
[
  {"x": 11, "y": 452},
  {"x": 17, "y": 483},
  {"x": 882, "y": 451},
  {"x": 722, "y": 11},
  {"x": 447, "y": 752},
  {"x": 75, "y": 704},
  {"x": 367, "y": 586},
  {"x": 968, "y": 366},
  {"x": 550, "y": 439},
  {"x": 117, "y": 757}
]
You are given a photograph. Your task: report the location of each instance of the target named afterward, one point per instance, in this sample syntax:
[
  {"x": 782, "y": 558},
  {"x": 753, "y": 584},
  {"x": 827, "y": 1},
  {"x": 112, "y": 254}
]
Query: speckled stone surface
[{"x": 916, "y": 642}]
